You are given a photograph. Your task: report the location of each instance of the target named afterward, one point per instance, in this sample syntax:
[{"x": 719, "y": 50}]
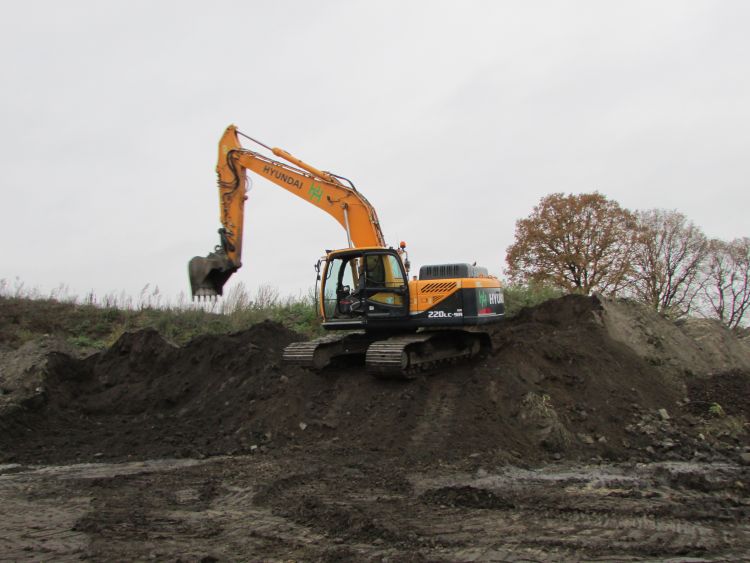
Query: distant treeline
[{"x": 587, "y": 243}]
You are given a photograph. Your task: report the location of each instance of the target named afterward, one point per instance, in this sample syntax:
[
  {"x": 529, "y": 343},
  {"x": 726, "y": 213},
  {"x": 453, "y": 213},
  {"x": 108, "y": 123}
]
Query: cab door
[{"x": 382, "y": 285}]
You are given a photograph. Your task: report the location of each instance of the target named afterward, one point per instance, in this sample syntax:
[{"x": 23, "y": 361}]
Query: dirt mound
[
  {"x": 721, "y": 348},
  {"x": 690, "y": 347},
  {"x": 557, "y": 384},
  {"x": 145, "y": 397},
  {"x": 24, "y": 372}
]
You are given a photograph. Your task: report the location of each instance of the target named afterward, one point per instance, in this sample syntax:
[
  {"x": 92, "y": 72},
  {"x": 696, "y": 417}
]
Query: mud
[
  {"x": 590, "y": 431},
  {"x": 308, "y": 507}
]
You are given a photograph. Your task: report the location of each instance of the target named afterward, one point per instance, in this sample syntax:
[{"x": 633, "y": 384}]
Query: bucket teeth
[{"x": 205, "y": 294}]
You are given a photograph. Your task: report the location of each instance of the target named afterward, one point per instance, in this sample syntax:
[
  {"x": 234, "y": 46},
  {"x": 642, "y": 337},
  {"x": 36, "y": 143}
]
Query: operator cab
[{"x": 363, "y": 287}]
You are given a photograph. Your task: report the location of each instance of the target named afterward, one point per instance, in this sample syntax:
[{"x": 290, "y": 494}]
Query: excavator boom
[{"x": 322, "y": 189}]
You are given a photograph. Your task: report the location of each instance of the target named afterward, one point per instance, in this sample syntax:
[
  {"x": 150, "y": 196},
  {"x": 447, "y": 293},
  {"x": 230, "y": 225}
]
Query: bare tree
[
  {"x": 668, "y": 260},
  {"x": 727, "y": 289},
  {"x": 578, "y": 243}
]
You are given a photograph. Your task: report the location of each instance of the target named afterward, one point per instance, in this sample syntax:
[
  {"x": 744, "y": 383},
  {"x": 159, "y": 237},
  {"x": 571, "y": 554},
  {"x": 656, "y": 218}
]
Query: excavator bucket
[{"x": 208, "y": 275}]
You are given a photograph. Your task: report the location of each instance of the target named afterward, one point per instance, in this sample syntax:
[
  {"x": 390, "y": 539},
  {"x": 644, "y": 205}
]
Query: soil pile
[
  {"x": 144, "y": 397},
  {"x": 688, "y": 347},
  {"x": 564, "y": 379},
  {"x": 23, "y": 371}
]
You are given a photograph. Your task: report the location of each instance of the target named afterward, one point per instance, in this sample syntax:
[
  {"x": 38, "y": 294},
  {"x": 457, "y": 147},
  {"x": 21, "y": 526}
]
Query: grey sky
[{"x": 453, "y": 118}]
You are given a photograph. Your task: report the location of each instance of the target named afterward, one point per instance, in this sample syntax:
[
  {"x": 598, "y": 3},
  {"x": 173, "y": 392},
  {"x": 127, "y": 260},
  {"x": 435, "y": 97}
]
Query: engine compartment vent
[
  {"x": 442, "y": 271},
  {"x": 438, "y": 287}
]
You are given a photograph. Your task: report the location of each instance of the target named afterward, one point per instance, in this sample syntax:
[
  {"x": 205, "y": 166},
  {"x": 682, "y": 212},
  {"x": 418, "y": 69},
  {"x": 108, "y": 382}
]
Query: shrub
[{"x": 519, "y": 296}]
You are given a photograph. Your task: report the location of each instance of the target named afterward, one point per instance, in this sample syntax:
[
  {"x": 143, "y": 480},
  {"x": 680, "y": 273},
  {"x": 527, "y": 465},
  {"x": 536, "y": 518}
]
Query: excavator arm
[{"x": 322, "y": 189}]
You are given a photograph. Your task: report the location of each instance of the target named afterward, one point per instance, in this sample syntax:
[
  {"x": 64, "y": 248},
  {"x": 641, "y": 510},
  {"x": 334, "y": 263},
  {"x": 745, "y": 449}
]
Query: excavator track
[
  {"x": 404, "y": 357},
  {"x": 319, "y": 353},
  {"x": 390, "y": 358},
  {"x": 398, "y": 357}
]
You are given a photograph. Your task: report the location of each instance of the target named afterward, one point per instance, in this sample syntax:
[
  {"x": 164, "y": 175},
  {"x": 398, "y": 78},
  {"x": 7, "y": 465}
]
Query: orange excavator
[{"x": 400, "y": 326}]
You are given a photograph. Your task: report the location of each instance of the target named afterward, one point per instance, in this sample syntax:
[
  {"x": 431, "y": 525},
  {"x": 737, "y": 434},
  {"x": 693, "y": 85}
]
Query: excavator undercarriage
[{"x": 401, "y": 356}]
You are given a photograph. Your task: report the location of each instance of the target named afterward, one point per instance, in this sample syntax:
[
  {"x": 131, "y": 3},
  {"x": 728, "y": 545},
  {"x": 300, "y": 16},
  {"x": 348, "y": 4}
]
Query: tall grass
[{"x": 94, "y": 321}]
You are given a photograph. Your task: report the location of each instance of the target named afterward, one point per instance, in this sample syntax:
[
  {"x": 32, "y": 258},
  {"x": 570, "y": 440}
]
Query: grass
[{"x": 93, "y": 322}]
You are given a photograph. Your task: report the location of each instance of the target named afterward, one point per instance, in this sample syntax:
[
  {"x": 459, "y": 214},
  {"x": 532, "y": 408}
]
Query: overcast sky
[{"x": 453, "y": 118}]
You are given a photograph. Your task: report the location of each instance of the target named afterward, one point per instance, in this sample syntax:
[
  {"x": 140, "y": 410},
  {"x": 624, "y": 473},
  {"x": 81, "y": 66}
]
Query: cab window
[{"x": 393, "y": 267}]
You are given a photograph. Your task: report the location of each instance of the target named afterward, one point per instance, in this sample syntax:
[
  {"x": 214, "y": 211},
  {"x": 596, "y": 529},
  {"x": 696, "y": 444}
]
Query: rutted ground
[
  {"x": 304, "y": 506},
  {"x": 595, "y": 429}
]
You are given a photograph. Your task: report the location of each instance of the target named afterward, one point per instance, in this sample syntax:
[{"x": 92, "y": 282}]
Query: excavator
[{"x": 400, "y": 326}]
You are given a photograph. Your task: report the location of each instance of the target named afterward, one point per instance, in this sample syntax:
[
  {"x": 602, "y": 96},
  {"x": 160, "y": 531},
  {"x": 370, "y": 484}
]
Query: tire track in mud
[
  {"x": 434, "y": 424},
  {"x": 598, "y": 534},
  {"x": 576, "y": 521},
  {"x": 38, "y": 526}
]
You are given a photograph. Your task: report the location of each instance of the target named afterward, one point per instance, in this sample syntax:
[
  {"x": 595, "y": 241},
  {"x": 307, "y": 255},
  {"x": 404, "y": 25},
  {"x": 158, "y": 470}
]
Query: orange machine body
[{"x": 369, "y": 288}]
